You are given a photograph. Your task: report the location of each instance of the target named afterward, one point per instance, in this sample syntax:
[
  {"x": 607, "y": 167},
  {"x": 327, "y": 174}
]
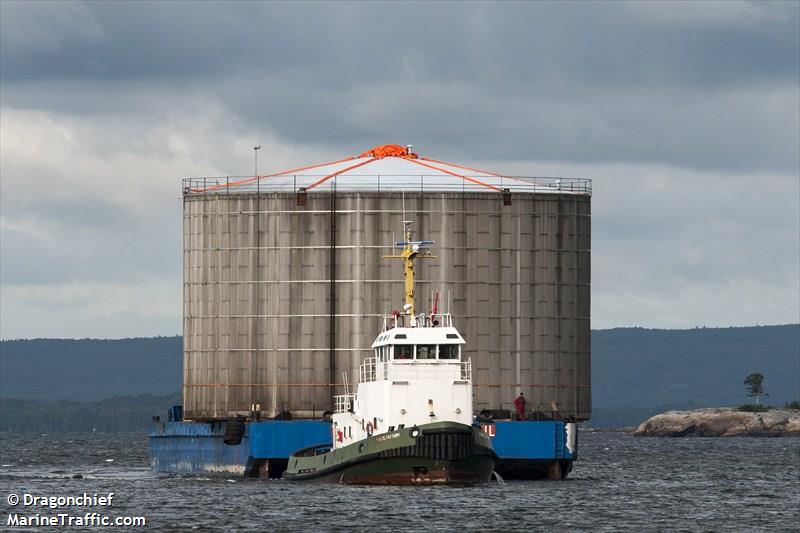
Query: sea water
[{"x": 619, "y": 483}]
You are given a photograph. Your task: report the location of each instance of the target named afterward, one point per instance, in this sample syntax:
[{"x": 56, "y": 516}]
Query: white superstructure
[{"x": 416, "y": 374}]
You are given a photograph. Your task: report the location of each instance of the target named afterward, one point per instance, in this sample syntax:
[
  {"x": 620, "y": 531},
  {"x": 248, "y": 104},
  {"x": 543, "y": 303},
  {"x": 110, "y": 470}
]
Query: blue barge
[{"x": 527, "y": 449}]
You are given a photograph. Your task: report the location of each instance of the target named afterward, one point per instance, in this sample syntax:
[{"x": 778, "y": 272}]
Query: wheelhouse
[
  {"x": 418, "y": 352},
  {"x": 424, "y": 343}
]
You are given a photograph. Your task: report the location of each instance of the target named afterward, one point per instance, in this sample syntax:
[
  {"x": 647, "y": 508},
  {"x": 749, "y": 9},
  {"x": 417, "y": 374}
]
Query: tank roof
[{"x": 386, "y": 168}]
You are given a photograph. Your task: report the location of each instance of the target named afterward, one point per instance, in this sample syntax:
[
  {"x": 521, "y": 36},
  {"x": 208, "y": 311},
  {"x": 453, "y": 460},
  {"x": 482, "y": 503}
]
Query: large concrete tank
[{"x": 266, "y": 328}]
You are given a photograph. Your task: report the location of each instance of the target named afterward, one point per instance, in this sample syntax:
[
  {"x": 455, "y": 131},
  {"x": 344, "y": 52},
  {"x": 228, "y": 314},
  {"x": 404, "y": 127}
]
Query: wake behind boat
[{"x": 410, "y": 420}]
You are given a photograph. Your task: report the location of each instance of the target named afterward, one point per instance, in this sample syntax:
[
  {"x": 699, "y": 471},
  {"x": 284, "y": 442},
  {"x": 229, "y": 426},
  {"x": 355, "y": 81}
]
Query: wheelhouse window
[
  {"x": 404, "y": 351},
  {"x": 426, "y": 351},
  {"x": 448, "y": 351},
  {"x": 383, "y": 353}
]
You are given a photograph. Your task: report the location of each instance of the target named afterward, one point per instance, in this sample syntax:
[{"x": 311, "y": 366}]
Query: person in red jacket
[{"x": 519, "y": 403}]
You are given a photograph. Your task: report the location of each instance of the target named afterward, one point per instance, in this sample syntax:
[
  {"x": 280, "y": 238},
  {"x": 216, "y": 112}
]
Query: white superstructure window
[
  {"x": 404, "y": 351},
  {"x": 448, "y": 351},
  {"x": 426, "y": 351}
]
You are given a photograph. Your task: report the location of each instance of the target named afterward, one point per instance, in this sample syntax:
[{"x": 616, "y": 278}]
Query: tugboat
[{"x": 410, "y": 420}]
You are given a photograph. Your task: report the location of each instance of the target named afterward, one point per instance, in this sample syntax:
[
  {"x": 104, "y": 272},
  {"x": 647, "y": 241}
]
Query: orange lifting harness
[
  {"x": 390, "y": 150},
  {"x": 378, "y": 152}
]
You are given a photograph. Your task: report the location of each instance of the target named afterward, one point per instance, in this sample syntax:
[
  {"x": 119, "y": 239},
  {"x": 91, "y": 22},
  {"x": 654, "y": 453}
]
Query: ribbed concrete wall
[{"x": 518, "y": 276}]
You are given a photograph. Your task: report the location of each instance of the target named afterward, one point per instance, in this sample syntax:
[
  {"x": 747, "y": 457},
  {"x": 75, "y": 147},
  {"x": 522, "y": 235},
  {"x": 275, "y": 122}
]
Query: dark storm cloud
[
  {"x": 710, "y": 86},
  {"x": 350, "y": 43},
  {"x": 131, "y": 41}
]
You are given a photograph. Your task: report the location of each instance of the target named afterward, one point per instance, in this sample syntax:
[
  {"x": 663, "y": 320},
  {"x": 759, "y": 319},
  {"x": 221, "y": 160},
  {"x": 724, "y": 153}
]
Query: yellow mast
[{"x": 411, "y": 251}]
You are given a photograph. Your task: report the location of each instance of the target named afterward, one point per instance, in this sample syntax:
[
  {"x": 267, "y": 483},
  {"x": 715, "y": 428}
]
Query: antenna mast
[{"x": 411, "y": 251}]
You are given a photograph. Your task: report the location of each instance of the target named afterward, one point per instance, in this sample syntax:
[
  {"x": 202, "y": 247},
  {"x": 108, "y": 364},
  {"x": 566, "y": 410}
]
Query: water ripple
[{"x": 619, "y": 483}]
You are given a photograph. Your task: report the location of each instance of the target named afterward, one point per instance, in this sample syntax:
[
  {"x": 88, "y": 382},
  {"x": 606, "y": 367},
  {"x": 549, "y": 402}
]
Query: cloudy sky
[{"x": 685, "y": 115}]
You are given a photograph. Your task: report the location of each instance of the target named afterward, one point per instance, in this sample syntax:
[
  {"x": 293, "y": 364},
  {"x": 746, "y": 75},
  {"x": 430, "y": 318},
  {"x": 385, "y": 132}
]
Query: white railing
[
  {"x": 439, "y": 320},
  {"x": 466, "y": 370},
  {"x": 343, "y": 403},
  {"x": 367, "y": 370}
]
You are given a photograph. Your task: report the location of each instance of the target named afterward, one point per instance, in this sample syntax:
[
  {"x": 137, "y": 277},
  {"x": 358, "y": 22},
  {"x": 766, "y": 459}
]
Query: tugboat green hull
[{"x": 437, "y": 453}]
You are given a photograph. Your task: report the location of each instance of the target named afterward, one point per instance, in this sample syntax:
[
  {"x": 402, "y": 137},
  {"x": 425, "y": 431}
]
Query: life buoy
[{"x": 369, "y": 429}]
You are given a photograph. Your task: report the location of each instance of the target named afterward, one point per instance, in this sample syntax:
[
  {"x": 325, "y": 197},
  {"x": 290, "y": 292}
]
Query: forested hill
[
  {"x": 635, "y": 371},
  {"x": 90, "y": 369},
  {"x": 635, "y": 366}
]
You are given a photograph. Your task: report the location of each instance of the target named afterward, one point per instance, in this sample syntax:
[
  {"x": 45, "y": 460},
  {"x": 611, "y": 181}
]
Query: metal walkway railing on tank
[{"x": 385, "y": 183}]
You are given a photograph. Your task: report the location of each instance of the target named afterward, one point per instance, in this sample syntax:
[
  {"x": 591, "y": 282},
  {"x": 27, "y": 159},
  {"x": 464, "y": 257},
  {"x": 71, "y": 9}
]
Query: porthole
[
  {"x": 361, "y": 447},
  {"x": 414, "y": 432}
]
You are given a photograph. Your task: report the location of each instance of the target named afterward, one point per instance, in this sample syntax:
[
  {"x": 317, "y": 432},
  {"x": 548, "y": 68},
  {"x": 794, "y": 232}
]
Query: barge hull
[{"x": 526, "y": 450}]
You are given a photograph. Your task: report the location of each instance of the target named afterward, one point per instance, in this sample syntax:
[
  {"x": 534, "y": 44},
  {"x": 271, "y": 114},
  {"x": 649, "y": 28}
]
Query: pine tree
[{"x": 755, "y": 386}]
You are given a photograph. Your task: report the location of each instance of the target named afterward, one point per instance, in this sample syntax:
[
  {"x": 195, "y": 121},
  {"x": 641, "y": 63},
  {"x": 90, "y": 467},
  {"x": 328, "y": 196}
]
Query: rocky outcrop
[{"x": 721, "y": 422}]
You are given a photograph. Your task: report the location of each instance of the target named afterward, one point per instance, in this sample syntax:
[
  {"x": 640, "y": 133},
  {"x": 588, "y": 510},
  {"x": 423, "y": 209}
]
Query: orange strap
[
  {"x": 248, "y": 180},
  {"x": 378, "y": 152},
  {"x": 470, "y": 168},
  {"x": 473, "y": 180},
  {"x": 461, "y": 166},
  {"x": 329, "y": 176}
]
